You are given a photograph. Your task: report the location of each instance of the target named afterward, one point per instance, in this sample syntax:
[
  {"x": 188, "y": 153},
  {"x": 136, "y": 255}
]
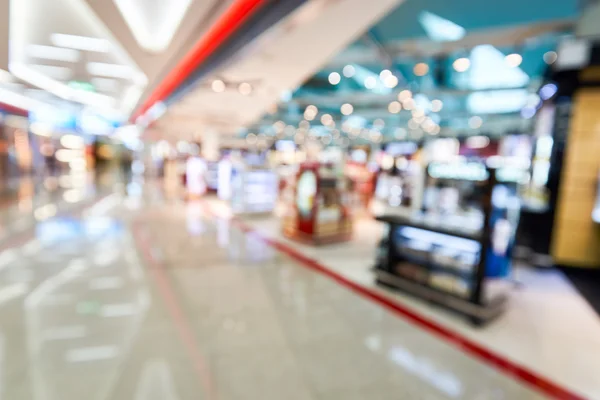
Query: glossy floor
[{"x": 139, "y": 298}]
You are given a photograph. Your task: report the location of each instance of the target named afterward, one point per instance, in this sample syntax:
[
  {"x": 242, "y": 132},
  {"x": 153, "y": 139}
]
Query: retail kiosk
[
  {"x": 450, "y": 251},
  {"x": 318, "y": 214}
]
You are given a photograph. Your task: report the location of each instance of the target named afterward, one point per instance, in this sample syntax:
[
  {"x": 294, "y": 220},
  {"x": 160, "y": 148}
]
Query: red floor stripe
[
  {"x": 506, "y": 366},
  {"x": 177, "y": 315}
]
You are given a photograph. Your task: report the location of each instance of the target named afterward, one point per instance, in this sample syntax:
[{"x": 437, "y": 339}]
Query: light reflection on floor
[{"x": 207, "y": 312}]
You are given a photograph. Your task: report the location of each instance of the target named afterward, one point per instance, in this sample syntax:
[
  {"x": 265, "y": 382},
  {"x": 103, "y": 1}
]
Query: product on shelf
[
  {"x": 463, "y": 234},
  {"x": 317, "y": 213}
]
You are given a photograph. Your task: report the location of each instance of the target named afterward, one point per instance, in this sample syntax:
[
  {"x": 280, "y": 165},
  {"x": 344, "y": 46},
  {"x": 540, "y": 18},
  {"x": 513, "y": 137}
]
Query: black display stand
[{"x": 471, "y": 300}]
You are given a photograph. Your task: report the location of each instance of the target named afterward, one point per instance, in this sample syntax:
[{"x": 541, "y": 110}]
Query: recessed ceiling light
[
  {"x": 105, "y": 84},
  {"x": 326, "y": 119},
  {"x": 513, "y": 60},
  {"x": 334, "y": 78},
  {"x": 395, "y": 107},
  {"x": 218, "y": 86},
  {"x": 461, "y": 64},
  {"x": 81, "y": 43},
  {"x": 110, "y": 70},
  {"x": 347, "y": 109},
  {"x": 405, "y": 94},
  {"x": 390, "y": 81},
  {"x": 349, "y": 71},
  {"x": 421, "y": 69},
  {"x": 245, "y": 88},
  {"x": 384, "y": 74},
  {"x": 53, "y": 53},
  {"x": 550, "y": 57},
  {"x": 436, "y": 105},
  {"x": 370, "y": 82},
  {"x": 53, "y": 71}
]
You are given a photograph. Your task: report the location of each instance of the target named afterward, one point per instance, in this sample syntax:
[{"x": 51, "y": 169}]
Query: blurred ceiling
[
  {"x": 414, "y": 48},
  {"x": 101, "y": 54}
]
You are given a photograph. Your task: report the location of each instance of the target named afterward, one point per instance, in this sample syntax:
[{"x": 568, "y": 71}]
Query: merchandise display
[
  {"x": 463, "y": 235},
  {"x": 399, "y": 183},
  {"x": 212, "y": 175},
  {"x": 317, "y": 214},
  {"x": 253, "y": 190}
]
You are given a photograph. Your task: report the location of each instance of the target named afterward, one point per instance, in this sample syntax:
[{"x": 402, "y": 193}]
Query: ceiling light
[
  {"x": 218, "y": 86},
  {"x": 378, "y": 123},
  {"x": 53, "y": 53},
  {"x": 461, "y": 64},
  {"x": 370, "y": 82},
  {"x": 110, "y": 70},
  {"x": 347, "y": 109},
  {"x": 384, "y": 74},
  {"x": 436, "y": 130},
  {"x": 436, "y": 105},
  {"x": 245, "y": 88},
  {"x": 390, "y": 81},
  {"x": 550, "y": 57},
  {"x": 475, "y": 122},
  {"x": 334, "y": 78},
  {"x": 405, "y": 94},
  {"x": 513, "y": 60},
  {"x": 412, "y": 124},
  {"x": 326, "y": 119},
  {"x": 408, "y": 104},
  {"x": 53, "y": 71},
  {"x": 81, "y": 43},
  {"x": 395, "y": 107},
  {"x": 309, "y": 116},
  {"x": 312, "y": 109},
  {"x": 349, "y": 71},
  {"x": 418, "y": 113},
  {"x": 105, "y": 84},
  {"x": 20, "y": 101},
  {"x": 421, "y": 69},
  {"x": 153, "y": 34}
]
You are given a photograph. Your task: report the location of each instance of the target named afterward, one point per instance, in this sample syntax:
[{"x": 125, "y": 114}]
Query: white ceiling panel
[
  {"x": 153, "y": 22},
  {"x": 278, "y": 61},
  {"x": 55, "y": 44}
]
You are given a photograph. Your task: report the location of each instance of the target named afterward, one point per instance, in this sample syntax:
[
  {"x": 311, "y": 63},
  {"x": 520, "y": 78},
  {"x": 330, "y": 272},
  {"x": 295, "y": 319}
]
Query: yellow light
[
  {"x": 461, "y": 64},
  {"x": 395, "y": 107},
  {"x": 347, "y": 109},
  {"x": 218, "y": 86},
  {"x": 421, "y": 69},
  {"x": 513, "y": 60}
]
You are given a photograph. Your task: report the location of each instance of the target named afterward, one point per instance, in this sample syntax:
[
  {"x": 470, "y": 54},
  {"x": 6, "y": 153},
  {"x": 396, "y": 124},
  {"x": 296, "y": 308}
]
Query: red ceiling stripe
[
  {"x": 227, "y": 24},
  {"x": 13, "y": 110}
]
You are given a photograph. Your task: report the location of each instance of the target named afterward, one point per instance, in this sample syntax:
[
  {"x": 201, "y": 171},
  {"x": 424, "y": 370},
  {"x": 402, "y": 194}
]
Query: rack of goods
[
  {"x": 453, "y": 251},
  {"x": 253, "y": 190},
  {"x": 317, "y": 214}
]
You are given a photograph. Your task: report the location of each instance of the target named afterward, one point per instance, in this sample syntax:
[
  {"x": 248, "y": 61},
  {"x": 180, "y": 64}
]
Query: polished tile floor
[{"x": 138, "y": 297}]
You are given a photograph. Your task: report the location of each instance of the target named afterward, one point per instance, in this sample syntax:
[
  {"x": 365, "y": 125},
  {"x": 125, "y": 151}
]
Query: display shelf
[
  {"x": 317, "y": 214},
  {"x": 419, "y": 221},
  {"x": 412, "y": 256},
  {"x": 479, "y": 314}
]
